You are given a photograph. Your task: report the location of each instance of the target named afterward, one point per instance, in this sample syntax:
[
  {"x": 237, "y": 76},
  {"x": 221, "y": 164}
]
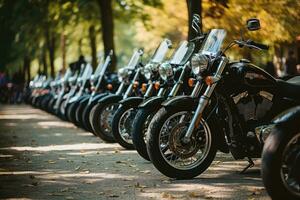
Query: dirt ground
[{"x": 42, "y": 157}]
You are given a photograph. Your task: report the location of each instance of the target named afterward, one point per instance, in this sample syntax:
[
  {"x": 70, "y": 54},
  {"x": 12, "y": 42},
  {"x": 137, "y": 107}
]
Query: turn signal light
[
  {"x": 209, "y": 80},
  {"x": 109, "y": 86},
  {"x": 144, "y": 87},
  {"x": 157, "y": 85},
  {"x": 191, "y": 82}
]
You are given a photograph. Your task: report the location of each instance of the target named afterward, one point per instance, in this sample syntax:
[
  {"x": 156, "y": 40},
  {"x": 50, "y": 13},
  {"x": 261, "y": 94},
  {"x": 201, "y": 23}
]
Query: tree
[{"x": 108, "y": 30}]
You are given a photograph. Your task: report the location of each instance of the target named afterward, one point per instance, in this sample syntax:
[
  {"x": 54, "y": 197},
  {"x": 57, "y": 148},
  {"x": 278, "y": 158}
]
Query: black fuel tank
[{"x": 254, "y": 76}]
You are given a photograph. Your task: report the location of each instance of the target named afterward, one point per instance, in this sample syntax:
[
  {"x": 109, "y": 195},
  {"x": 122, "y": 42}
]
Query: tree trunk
[
  {"x": 26, "y": 67},
  {"x": 93, "y": 45},
  {"x": 194, "y": 7},
  {"x": 50, "y": 41},
  {"x": 44, "y": 60},
  {"x": 63, "y": 50},
  {"x": 108, "y": 29}
]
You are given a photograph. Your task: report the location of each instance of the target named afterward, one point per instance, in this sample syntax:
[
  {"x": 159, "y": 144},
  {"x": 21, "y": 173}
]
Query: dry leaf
[
  {"x": 51, "y": 161},
  {"x": 69, "y": 197},
  {"x": 113, "y": 195},
  {"x": 65, "y": 189},
  {"x": 195, "y": 194},
  {"x": 77, "y": 168},
  {"x": 167, "y": 195},
  {"x": 127, "y": 179}
]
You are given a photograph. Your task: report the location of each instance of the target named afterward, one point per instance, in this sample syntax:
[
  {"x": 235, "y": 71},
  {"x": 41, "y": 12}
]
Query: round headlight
[
  {"x": 122, "y": 74},
  {"x": 199, "y": 63},
  {"x": 148, "y": 71},
  {"x": 165, "y": 71}
]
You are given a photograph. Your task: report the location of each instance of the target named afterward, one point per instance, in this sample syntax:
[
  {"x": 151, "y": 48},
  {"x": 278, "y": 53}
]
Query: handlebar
[{"x": 252, "y": 44}]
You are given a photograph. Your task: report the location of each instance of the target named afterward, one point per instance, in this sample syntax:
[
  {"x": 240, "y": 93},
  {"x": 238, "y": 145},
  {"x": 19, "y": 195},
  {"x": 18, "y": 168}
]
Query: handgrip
[{"x": 259, "y": 45}]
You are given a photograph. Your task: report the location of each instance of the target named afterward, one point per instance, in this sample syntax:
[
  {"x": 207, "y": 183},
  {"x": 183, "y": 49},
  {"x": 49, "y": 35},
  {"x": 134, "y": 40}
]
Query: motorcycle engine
[{"x": 252, "y": 109}]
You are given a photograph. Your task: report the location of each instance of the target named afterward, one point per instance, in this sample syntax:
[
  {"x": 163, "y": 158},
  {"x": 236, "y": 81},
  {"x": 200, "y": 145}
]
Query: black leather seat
[{"x": 289, "y": 88}]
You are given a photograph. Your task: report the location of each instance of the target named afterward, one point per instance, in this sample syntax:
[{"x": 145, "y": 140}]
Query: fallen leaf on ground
[
  {"x": 113, "y": 195},
  {"x": 195, "y": 194},
  {"x": 31, "y": 176},
  {"x": 167, "y": 195},
  {"x": 77, "y": 168},
  {"x": 51, "y": 161},
  {"x": 120, "y": 161},
  {"x": 69, "y": 197}
]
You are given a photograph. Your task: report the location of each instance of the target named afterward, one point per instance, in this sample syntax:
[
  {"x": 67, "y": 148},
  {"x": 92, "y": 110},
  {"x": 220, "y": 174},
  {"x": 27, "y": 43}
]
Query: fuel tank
[{"x": 253, "y": 76}]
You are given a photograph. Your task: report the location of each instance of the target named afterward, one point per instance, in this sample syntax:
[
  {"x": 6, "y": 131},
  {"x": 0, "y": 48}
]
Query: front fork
[{"x": 204, "y": 99}]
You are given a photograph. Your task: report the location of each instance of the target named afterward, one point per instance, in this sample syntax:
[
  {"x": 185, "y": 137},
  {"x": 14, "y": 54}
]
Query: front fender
[
  {"x": 152, "y": 102},
  {"x": 181, "y": 101},
  {"x": 132, "y": 101},
  {"x": 111, "y": 97}
]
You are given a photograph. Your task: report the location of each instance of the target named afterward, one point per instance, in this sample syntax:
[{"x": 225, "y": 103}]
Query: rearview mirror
[{"x": 253, "y": 24}]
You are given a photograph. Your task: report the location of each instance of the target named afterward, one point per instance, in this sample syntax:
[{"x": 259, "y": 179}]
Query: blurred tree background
[{"x": 45, "y": 35}]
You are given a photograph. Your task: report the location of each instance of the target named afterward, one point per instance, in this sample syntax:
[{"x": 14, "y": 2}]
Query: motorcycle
[
  {"x": 239, "y": 100},
  {"x": 281, "y": 156},
  {"x": 101, "y": 84},
  {"x": 174, "y": 75},
  {"x": 72, "y": 101},
  {"x": 123, "y": 118},
  {"x": 103, "y": 108}
]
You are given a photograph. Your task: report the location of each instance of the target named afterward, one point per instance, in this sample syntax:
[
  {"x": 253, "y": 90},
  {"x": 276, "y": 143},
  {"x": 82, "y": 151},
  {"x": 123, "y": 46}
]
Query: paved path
[{"x": 42, "y": 157}]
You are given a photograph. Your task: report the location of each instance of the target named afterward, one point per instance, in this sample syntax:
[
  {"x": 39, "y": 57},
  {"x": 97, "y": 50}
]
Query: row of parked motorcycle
[{"x": 177, "y": 111}]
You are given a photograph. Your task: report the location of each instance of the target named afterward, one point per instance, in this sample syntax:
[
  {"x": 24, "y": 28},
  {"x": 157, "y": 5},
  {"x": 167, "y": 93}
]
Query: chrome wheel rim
[
  {"x": 290, "y": 161},
  {"x": 177, "y": 154},
  {"x": 125, "y": 125},
  {"x": 107, "y": 116}
]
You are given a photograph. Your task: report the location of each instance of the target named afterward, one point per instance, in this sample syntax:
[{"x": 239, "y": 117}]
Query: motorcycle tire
[
  {"x": 79, "y": 112},
  {"x": 155, "y": 154},
  {"x": 272, "y": 157},
  {"x": 96, "y": 119},
  {"x": 116, "y": 128},
  {"x": 85, "y": 118},
  {"x": 139, "y": 131},
  {"x": 71, "y": 112}
]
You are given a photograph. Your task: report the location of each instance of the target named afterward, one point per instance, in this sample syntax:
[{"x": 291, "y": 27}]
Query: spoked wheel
[
  {"x": 169, "y": 154},
  {"x": 139, "y": 130},
  {"x": 122, "y": 126},
  {"x": 101, "y": 120}
]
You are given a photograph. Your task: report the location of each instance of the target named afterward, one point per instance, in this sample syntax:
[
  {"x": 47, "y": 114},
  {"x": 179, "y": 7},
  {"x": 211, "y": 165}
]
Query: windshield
[
  {"x": 135, "y": 59},
  {"x": 161, "y": 51},
  {"x": 183, "y": 53},
  {"x": 213, "y": 42}
]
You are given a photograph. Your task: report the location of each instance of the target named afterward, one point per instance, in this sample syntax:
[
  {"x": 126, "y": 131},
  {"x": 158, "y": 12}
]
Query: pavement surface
[{"x": 42, "y": 157}]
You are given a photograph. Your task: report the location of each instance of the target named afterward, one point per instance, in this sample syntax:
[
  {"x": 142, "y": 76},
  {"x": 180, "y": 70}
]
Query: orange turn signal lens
[
  {"x": 157, "y": 85},
  {"x": 144, "y": 87},
  {"x": 191, "y": 82},
  {"x": 109, "y": 86},
  {"x": 209, "y": 80}
]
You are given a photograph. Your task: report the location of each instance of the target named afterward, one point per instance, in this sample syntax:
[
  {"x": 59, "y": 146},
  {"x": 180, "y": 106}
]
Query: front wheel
[
  {"x": 122, "y": 126},
  {"x": 139, "y": 130},
  {"x": 101, "y": 119},
  {"x": 281, "y": 162},
  {"x": 169, "y": 154}
]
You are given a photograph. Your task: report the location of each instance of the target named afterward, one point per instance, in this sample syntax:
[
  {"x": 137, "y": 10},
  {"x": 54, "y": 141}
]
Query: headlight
[
  {"x": 148, "y": 70},
  {"x": 165, "y": 71},
  {"x": 199, "y": 63},
  {"x": 122, "y": 74}
]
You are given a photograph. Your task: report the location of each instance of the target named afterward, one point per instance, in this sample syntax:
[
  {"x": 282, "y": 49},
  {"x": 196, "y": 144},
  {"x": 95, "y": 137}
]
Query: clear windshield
[
  {"x": 135, "y": 59},
  {"x": 182, "y": 53},
  {"x": 161, "y": 51},
  {"x": 213, "y": 42}
]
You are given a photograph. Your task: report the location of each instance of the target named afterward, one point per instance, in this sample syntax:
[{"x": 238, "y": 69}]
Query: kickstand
[{"x": 251, "y": 164}]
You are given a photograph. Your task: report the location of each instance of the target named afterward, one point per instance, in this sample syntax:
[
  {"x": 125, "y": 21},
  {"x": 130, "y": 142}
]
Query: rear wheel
[
  {"x": 169, "y": 154},
  {"x": 79, "y": 111}
]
